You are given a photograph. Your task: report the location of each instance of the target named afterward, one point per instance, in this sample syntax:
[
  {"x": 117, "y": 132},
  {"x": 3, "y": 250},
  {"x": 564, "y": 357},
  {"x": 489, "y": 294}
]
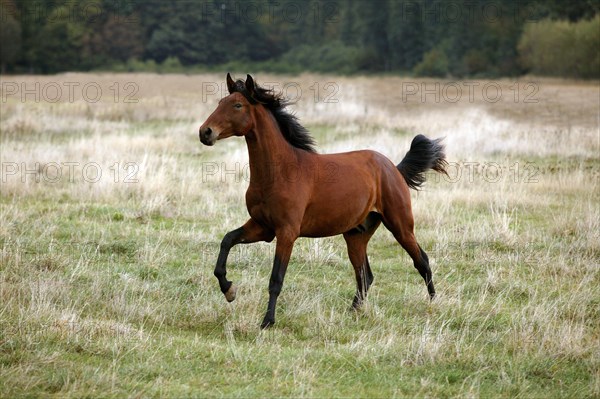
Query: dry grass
[{"x": 107, "y": 286}]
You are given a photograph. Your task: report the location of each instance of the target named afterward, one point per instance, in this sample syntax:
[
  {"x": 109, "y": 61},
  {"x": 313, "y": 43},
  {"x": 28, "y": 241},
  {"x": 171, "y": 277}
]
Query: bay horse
[{"x": 296, "y": 192}]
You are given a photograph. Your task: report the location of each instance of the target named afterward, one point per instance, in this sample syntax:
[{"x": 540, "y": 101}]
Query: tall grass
[{"x": 107, "y": 290}]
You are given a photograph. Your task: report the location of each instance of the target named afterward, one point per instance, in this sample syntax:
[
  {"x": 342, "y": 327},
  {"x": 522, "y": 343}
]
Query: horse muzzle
[{"x": 207, "y": 136}]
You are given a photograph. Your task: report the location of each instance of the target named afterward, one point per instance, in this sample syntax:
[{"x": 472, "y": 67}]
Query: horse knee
[{"x": 231, "y": 238}]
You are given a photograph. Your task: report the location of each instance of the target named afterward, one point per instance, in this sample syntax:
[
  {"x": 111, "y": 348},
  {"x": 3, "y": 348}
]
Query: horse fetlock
[
  {"x": 267, "y": 322},
  {"x": 356, "y": 304},
  {"x": 230, "y": 293}
]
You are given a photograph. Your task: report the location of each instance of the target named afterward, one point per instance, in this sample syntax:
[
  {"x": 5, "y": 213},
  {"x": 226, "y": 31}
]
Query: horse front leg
[
  {"x": 248, "y": 233},
  {"x": 283, "y": 252}
]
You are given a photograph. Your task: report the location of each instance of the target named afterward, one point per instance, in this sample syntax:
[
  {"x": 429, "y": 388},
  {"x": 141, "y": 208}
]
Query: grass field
[{"x": 112, "y": 213}]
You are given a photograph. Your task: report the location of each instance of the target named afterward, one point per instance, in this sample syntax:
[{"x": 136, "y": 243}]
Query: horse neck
[{"x": 268, "y": 150}]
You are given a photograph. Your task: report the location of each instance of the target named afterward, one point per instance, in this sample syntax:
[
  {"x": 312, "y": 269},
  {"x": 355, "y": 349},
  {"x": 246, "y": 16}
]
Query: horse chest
[
  {"x": 258, "y": 206},
  {"x": 269, "y": 208},
  {"x": 259, "y": 212}
]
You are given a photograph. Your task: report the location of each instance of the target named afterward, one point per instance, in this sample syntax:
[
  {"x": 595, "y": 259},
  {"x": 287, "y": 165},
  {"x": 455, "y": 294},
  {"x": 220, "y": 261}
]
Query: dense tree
[
  {"x": 430, "y": 37},
  {"x": 10, "y": 41},
  {"x": 406, "y": 36},
  {"x": 372, "y": 32},
  {"x": 59, "y": 47},
  {"x": 207, "y": 33}
]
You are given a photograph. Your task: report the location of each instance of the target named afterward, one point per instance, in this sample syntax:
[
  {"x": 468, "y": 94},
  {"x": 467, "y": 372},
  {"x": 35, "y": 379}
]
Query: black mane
[{"x": 295, "y": 134}]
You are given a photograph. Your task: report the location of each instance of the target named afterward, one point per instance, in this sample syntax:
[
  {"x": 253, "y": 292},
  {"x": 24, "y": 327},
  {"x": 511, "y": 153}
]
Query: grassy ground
[{"x": 112, "y": 213}]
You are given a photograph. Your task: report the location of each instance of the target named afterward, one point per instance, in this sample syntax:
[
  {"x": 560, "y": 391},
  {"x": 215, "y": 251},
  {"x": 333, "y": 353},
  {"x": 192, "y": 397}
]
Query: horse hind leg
[
  {"x": 422, "y": 265},
  {"x": 357, "y": 241},
  {"x": 366, "y": 277},
  {"x": 403, "y": 233},
  {"x": 357, "y": 252},
  {"x": 420, "y": 261}
]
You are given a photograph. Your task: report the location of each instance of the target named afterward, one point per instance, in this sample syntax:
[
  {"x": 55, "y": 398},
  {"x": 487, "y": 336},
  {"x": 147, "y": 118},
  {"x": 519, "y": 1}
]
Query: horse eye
[{"x": 238, "y": 105}]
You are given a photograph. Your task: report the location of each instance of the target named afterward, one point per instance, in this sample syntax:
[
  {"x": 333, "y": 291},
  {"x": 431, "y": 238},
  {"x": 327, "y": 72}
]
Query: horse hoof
[
  {"x": 266, "y": 324},
  {"x": 230, "y": 294}
]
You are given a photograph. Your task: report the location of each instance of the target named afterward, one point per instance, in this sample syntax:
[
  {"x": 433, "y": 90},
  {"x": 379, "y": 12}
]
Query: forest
[{"x": 462, "y": 38}]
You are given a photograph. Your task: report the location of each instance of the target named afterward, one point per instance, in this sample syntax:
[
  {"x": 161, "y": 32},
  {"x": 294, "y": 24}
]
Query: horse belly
[
  {"x": 343, "y": 203},
  {"x": 333, "y": 218}
]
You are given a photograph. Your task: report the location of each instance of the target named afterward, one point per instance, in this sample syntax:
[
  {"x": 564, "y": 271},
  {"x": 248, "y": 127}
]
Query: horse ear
[
  {"x": 230, "y": 84},
  {"x": 249, "y": 84}
]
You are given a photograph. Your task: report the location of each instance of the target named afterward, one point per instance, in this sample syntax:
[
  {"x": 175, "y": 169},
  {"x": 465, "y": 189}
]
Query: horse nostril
[
  {"x": 206, "y": 136},
  {"x": 205, "y": 132}
]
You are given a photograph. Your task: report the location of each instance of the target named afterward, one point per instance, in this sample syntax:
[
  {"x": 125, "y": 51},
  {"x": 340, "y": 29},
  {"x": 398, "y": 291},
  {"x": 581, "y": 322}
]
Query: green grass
[
  {"x": 112, "y": 294},
  {"x": 98, "y": 301}
]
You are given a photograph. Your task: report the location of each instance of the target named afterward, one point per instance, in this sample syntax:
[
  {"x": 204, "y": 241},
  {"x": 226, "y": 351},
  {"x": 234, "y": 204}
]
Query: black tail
[{"x": 424, "y": 154}]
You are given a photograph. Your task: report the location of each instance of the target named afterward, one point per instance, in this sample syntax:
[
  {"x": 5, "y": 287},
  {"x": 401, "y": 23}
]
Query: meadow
[{"x": 112, "y": 213}]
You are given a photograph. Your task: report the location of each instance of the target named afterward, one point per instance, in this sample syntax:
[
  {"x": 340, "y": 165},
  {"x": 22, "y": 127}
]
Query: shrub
[
  {"x": 561, "y": 48},
  {"x": 171, "y": 65},
  {"x": 333, "y": 57},
  {"x": 435, "y": 64}
]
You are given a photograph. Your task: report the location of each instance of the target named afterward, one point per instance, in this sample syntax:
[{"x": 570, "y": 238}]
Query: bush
[
  {"x": 135, "y": 65},
  {"x": 434, "y": 64},
  {"x": 476, "y": 63},
  {"x": 171, "y": 65},
  {"x": 332, "y": 57},
  {"x": 587, "y": 48},
  {"x": 562, "y": 48}
]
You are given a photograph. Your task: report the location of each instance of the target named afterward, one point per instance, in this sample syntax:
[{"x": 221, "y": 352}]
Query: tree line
[{"x": 475, "y": 38}]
